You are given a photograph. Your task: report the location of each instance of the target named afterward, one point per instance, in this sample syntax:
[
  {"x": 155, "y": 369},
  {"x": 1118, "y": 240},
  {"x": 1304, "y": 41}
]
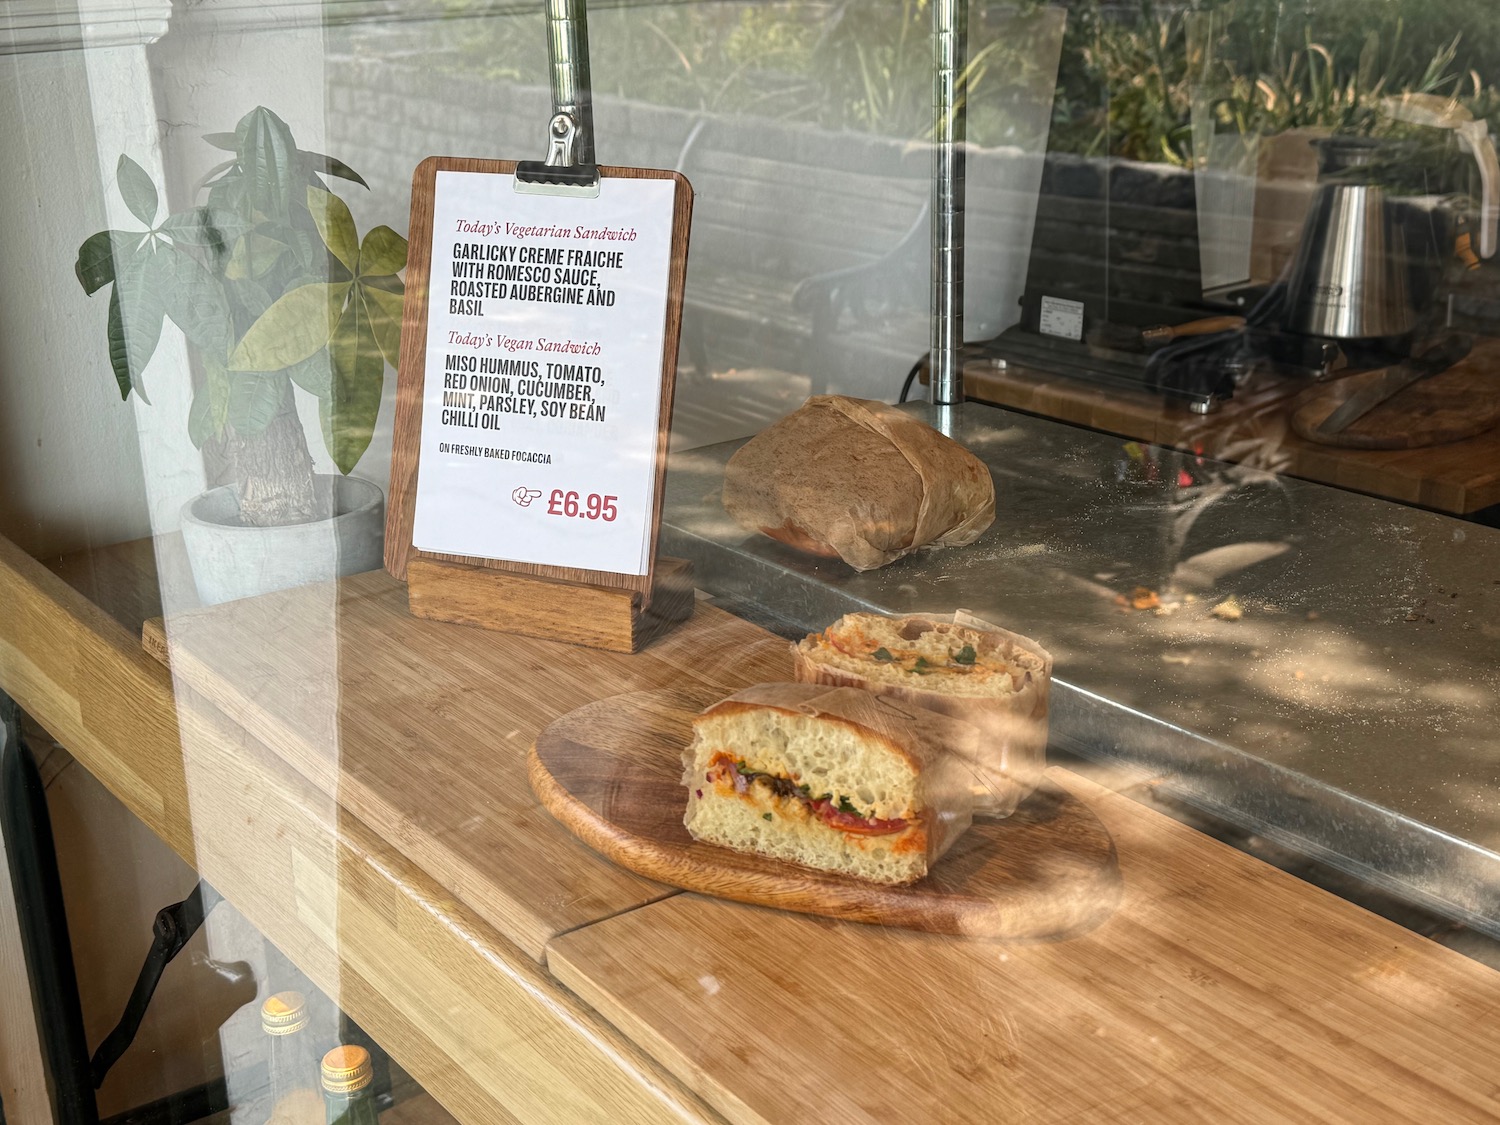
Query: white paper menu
[{"x": 545, "y": 329}]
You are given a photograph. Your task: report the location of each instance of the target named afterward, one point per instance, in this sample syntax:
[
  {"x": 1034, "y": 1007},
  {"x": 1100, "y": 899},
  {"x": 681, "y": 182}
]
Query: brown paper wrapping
[
  {"x": 860, "y": 480},
  {"x": 944, "y": 792},
  {"x": 1007, "y": 762}
]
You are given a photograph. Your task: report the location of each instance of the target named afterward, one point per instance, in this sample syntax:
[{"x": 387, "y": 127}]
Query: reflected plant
[
  {"x": 272, "y": 287},
  {"x": 1131, "y": 74}
]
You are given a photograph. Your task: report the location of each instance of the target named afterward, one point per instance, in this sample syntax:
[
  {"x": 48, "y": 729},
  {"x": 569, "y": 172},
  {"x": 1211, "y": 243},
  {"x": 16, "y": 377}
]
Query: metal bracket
[
  {"x": 174, "y": 927},
  {"x": 562, "y": 141},
  {"x": 569, "y": 168}
]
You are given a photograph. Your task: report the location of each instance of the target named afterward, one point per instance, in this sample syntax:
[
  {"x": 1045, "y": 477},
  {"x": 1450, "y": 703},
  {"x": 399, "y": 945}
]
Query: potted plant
[{"x": 272, "y": 288}]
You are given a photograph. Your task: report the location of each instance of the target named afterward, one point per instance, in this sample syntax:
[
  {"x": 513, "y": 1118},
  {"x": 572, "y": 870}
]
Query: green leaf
[
  {"x": 137, "y": 190},
  {"x": 95, "y": 267},
  {"x": 205, "y": 227},
  {"x": 200, "y": 417},
  {"x": 293, "y": 328},
  {"x": 335, "y": 226},
  {"x": 349, "y": 413},
  {"x": 266, "y": 154},
  {"x": 197, "y": 304},
  {"x": 921, "y": 667},
  {"x": 382, "y": 252},
  {"x": 227, "y": 194},
  {"x": 311, "y": 255},
  {"x": 883, "y": 655},
  {"x": 193, "y": 228},
  {"x": 254, "y": 255},
  {"x": 250, "y": 299},
  {"x": 117, "y": 357},
  {"x": 388, "y": 283},
  {"x": 325, "y": 418},
  {"x": 965, "y": 655},
  {"x": 140, "y": 285},
  {"x": 208, "y": 178},
  {"x": 226, "y": 141},
  {"x": 314, "y": 374},
  {"x": 254, "y": 399},
  {"x": 384, "y": 311},
  {"x": 210, "y": 409},
  {"x": 333, "y": 167}
]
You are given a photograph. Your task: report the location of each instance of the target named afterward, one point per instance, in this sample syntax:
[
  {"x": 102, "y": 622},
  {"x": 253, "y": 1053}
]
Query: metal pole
[
  {"x": 950, "y": 36},
  {"x": 572, "y": 88}
]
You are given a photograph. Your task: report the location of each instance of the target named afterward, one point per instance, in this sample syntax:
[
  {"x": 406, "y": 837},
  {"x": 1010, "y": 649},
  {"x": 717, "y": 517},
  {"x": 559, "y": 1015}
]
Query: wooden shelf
[{"x": 1253, "y": 428}]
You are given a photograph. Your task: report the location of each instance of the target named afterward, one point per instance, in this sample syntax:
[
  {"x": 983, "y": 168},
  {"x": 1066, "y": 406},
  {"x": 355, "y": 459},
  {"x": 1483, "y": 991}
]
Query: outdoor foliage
[
  {"x": 1131, "y": 73},
  {"x": 1129, "y": 76},
  {"x": 268, "y": 280}
]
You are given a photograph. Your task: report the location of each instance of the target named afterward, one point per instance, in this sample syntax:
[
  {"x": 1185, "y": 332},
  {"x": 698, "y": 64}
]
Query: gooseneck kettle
[
  {"x": 1349, "y": 280},
  {"x": 1365, "y": 269}
]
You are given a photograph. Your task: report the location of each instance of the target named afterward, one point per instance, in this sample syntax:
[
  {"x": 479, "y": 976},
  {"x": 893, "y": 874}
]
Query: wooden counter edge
[{"x": 393, "y": 948}]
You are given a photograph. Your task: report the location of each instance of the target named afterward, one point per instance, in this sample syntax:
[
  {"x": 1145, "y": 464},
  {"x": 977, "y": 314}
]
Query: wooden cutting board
[
  {"x": 611, "y": 773},
  {"x": 1453, "y": 405}
]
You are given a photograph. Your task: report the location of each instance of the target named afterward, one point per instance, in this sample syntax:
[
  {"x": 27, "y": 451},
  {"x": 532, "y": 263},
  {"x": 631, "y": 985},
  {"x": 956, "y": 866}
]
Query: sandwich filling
[
  {"x": 730, "y": 775},
  {"x": 962, "y": 661}
]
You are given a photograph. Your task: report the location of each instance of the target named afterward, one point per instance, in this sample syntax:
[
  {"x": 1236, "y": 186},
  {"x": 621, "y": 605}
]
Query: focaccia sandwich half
[
  {"x": 834, "y": 779},
  {"x": 960, "y": 666}
]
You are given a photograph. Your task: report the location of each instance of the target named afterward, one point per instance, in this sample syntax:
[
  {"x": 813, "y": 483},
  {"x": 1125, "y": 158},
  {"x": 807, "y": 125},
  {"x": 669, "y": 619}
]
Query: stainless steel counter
[{"x": 1353, "y": 709}]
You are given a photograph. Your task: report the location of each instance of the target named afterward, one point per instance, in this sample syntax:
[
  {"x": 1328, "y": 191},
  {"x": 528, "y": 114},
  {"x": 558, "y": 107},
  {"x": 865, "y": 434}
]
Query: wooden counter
[{"x": 356, "y": 787}]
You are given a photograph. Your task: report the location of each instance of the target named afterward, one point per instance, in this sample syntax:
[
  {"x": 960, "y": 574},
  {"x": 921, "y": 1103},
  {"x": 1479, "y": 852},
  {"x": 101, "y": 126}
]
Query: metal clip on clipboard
[{"x": 569, "y": 168}]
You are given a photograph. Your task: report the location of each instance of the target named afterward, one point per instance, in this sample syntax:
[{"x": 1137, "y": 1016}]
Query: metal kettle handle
[{"x": 1476, "y": 137}]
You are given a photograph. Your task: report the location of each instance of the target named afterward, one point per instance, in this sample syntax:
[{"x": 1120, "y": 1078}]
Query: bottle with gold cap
[
  {"x": 294, "y": 1061},
  {"x": 348, "y": 1087}
]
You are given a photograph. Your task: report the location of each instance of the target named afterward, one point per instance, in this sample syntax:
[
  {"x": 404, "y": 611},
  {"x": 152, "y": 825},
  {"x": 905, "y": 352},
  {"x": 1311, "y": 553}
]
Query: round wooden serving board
[
  {"x": 611, "y": 772},
  {"x": 1453, "y": 405}
]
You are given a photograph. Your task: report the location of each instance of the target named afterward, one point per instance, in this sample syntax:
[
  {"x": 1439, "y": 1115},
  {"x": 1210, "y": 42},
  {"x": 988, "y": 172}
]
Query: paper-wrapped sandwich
[
  {"x": 832, "y": 778},
  {"x": 960, "y": 666},
  {"x": 859, "y": 480}
]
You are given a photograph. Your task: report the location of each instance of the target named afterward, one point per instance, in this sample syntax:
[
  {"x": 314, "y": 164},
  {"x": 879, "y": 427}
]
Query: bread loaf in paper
[
  {"x": 859, "y": 480},
  {"x": 834, "y": 779},
  {"x": 959, "y": 666}
]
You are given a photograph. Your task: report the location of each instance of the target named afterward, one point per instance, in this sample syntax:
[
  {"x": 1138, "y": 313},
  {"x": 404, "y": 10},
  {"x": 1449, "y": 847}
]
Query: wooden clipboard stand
[
  {"x": 579, "y": 613},
  {"x": 615, "y": 612}
]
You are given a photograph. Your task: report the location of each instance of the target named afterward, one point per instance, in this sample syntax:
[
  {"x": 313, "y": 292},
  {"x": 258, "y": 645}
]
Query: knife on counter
[{"x": 1394, "y": 380}]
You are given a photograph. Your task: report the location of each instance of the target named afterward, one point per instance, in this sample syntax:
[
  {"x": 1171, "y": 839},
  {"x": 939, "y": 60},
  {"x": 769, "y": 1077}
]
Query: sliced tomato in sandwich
[{"x": 859, "y": 825}]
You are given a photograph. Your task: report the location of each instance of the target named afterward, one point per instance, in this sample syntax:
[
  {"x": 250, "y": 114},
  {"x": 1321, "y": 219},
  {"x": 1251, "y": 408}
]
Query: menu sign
[{"x": 546, "y": 324}]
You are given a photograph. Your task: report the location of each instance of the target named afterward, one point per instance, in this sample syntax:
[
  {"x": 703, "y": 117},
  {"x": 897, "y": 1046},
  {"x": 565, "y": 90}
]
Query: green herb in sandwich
[
  {"x": 765, "y": 816},
  {"x": 883, "y": 655},
  {"x": 846, "y": 807},
  {"x": 921, "y": 667},
  {"x": 965, "y": 655}
]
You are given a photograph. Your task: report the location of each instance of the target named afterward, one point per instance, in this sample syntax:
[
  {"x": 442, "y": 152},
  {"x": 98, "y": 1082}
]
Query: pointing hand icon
[{"x": 524, "y": 496}]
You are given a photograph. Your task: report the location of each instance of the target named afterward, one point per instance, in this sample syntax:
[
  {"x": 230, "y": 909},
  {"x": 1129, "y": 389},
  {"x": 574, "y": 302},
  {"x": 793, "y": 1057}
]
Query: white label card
[
  {"x": 545, "y": 329},
  {"x": 1062, "y": 318}
]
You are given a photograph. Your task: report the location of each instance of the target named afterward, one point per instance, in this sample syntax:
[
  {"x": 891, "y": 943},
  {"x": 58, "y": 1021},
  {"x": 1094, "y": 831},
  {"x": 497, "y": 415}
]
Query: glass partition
[{"x": 1212, "y": 540}]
